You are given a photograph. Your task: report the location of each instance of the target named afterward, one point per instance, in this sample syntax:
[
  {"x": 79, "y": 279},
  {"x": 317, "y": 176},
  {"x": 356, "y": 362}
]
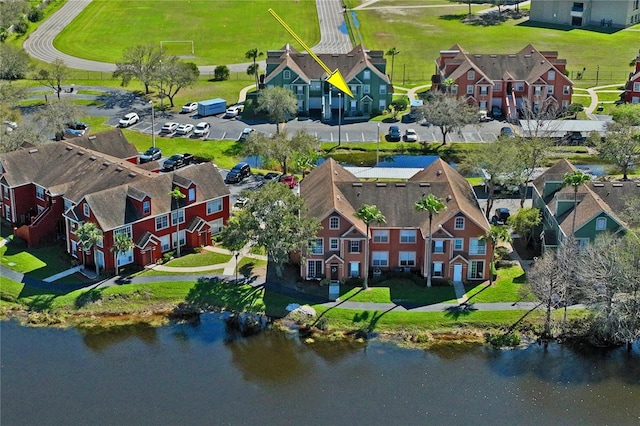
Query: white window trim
[
  {"x": 333, "y": 219},
  {"x": 146, "y": 207},
  {"x": 409, "y": 257},
  {"x": 85, "y": 209},
  {"x": 380, "y": 259},
  {"x": 316, "y": 246},
  {"x": 381, "y": 236},
  {"x": 455, "y": 223},
  {"x": 352, "y": 245},
  {"x": 603, "y": 221},
  {"x": 409, "y": 235},
  {"x": 177, "y": 217},
  {"x": 334, "y": 244},
  {"x": 461, "y": 240},
  {"x": 214, "y": 203},
  {"x": 160, "y": 218},
  {"x": 286, "y": 74},
  {"x": 40, "y": 192}
]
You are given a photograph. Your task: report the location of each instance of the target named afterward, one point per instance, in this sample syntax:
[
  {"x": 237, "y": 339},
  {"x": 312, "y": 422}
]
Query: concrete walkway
[
  {"x": 594, "y": 98},
  {"x": 63, "y": 274},
  {"x": 228, "y": 267}
]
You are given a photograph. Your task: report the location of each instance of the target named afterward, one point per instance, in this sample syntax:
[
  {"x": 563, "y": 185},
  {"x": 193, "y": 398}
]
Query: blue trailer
[{"x": 212, "y": 107}]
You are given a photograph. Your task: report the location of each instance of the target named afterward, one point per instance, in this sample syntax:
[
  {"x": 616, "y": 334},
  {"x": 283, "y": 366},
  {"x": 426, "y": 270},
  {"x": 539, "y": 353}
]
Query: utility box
[{"x": 212, "y": 107}]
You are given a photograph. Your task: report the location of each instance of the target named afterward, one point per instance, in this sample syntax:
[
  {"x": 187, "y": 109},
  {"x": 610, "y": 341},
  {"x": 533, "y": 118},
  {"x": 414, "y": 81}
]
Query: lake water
[{"x": 202, "y": 374}]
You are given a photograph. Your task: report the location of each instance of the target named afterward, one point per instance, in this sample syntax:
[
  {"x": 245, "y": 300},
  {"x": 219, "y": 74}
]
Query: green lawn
[
  {"x": 222, "y": 30},
  {"x": 421, "y": 33},
  {"x": 505, "y": 289},
  {"x": 39, "y": 263},
  {"x": 400, "y": 291},
  {"x": 205, "y": 258}
]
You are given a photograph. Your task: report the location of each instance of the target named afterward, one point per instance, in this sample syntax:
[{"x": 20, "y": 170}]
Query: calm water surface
[{"x": 185, "y": 374}]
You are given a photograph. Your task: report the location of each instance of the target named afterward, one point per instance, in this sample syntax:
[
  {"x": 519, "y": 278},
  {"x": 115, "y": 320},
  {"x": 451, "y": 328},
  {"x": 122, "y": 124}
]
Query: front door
[
  {"x": 457, "y": 272},
  {"x": 334, "y": 272}
]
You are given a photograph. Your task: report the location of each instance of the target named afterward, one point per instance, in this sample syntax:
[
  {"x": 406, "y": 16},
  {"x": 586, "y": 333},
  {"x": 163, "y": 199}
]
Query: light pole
[
  {"x": 237, "y": 254},
  {"x": 378, "y": 147},
  {"x": 153, "y": 125},
  {"x": 339, "y": 117},
  {"x": 161, "y": 91}
]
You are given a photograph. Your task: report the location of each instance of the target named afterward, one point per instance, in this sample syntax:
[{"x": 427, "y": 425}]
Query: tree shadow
[
  {"x": 462, "y": 310},
  {"x": 370, "y": 318},
  {"x": 453, "y": 17},
  {"x": 336, "y": 306},
  {"x": 214, "y": 292}
]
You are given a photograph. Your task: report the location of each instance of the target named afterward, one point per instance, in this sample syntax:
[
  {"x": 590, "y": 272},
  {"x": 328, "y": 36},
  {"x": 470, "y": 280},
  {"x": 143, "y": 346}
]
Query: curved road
[{"x": 334, "y": 38}]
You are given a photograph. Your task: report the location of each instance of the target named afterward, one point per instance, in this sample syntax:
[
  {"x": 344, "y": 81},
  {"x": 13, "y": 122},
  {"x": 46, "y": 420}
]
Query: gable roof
[
  {"x": 528, "y": 64},
  {"x": 554, "y": 173},
  {"x": 331, "y": 188},
  {"x": 111, "y": 142},
  {"x": 113, "y": 207},
  {"x": 65, "y": 168},
  {"x": 307, "y": 68}
]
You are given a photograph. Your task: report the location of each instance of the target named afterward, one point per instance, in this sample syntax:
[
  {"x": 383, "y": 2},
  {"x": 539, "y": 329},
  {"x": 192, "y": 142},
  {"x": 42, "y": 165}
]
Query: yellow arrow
[{"x": 335, "y": 77}]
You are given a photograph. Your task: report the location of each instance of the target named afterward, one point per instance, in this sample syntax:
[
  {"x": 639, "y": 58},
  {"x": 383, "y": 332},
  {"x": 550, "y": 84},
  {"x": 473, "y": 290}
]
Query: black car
[
  {"x": 394, "y": 134},
  {"x": 238, "y": 173},
  {"x": 150, "y": 155},
  {"x": 507, "y": 132}
]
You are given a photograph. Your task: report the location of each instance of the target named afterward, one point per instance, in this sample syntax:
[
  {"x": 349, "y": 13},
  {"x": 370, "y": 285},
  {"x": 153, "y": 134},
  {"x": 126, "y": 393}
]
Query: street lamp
[
  {"x": 339, "y": 117},
  {"x": 161, "y": 91},
  {"x": 378, "y": 147},
  {"x": 153, "y": 125},
  {"x": 237, "y": 254}
]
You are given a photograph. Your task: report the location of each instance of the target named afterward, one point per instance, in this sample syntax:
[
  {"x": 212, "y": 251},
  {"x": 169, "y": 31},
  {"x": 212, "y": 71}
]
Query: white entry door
[{"x": 457, "y": 272}]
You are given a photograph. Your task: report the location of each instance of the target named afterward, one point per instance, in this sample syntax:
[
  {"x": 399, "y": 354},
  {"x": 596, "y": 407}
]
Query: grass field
[
  {"x": 222, "y": 30},
  {"x": 421, "y": 33}
]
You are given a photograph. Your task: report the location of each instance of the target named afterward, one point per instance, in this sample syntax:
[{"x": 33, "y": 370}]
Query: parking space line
[
  {"x": 346, "y": 136},
  {"x": 224, "y": 134},
  {"x": 362, "y": 136},
  {"x": 480, "y": 137},
  {"x": 331, "y": 136}
]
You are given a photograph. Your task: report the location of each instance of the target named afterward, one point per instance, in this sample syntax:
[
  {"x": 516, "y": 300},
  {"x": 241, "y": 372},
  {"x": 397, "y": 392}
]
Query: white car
[
  {"x": 202, "y": 129},
  {"x": 184, "y": 129},
  {"x": 169, "y": 128},
  {"x": 410, "y": 135},
  {"x": 189, "y": 107},
  {"x": 232, "y": 112},
  {"x": 245, "y": 134},
  {"x": 129, "y": 120}
]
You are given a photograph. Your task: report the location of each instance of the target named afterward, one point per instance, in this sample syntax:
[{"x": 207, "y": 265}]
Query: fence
[{"x": 82, "y": 75}]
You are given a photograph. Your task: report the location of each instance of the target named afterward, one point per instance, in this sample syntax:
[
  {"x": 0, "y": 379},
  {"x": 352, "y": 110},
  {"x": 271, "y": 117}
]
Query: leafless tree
[{"x": 544, "y": 282}]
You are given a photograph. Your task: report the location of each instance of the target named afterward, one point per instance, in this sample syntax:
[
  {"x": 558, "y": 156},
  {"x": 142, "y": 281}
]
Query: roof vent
[
  {"x": 380, "y": 184},
  {"x": 92, "y": 158},
  {"x": 91, "y": 138},
  {"x": 80, "y": 152},
  {"x": 68, "y": 148},
  {"x": 132, "y": 175},
  {"x": 493, "y": 56},
  {"x": 118, "y": 169},
  {"x": 617, "y": 184},
  {"x": 356, "y": 184},
  {"x": 401, "y": 185},
  {"x": 425, "y": 184},
  {"x": 449, "y": 197},
  {"x": 33, "y": 151},
  {"x": 106, "y": 164},
  {"x": 598, "y": 184},
  {"x": 439, "y": 173}
]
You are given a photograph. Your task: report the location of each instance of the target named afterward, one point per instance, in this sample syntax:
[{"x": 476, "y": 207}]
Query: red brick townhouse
[
  {"x": 333, "y": 195},
  {"x": 50, "y": 190},
  {"x": 527, "y": 78},
  {"x": 632, "y": 88}
]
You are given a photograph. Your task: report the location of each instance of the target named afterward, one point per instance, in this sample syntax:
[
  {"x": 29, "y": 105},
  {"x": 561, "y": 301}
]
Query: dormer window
[
  {"x": 367, "y": 75},
  {"x": 85, "y": 209},
  {"x": 286, "y": 75},
  {"x": 39, "y": 192},
  {"x": 192, "y": 194},
  {"x": 146, "y": 207},
  {"x": 601, "y": 224},
  {"x": 471, "y": 75}
]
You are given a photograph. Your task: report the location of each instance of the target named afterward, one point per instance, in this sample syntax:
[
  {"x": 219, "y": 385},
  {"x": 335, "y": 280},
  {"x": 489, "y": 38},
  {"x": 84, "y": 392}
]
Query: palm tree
[
  {"x": 177, "y": 195},
  {"x": 253, "y": 54},
  {"x": 368, "y": 213},
  {"x": 392, "y": 52},
  {"x": 433, "y": 205},
  {"x": 575, "y": 179},
  {"x": 122, "y": 243},
  {"x": 494, "y": 235},
  {"x": 89, "y": 235}
]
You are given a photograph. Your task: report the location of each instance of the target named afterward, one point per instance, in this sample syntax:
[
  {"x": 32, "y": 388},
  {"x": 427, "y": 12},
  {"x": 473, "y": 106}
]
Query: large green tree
[
  {"x": 448, "y": 113},
  {"x": 14, "y": 62},
  {"x": 433, "y": 206},
  {"x": 524, "y": 222},
  {"x": 621, "y": 146},
  {"x": 274, "y": 219},
  {"x": 280, "y": 147},
  {"x": 141, "y": 62},
  {"x": 497, "y": 162},
  {"x": 279, "y": 103},
  {"x": 89, "y": 236},
  {"x": 369, "y": 214},
  {"x": 174, "y": 76},
  {"x": 495, "y": 235}
]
